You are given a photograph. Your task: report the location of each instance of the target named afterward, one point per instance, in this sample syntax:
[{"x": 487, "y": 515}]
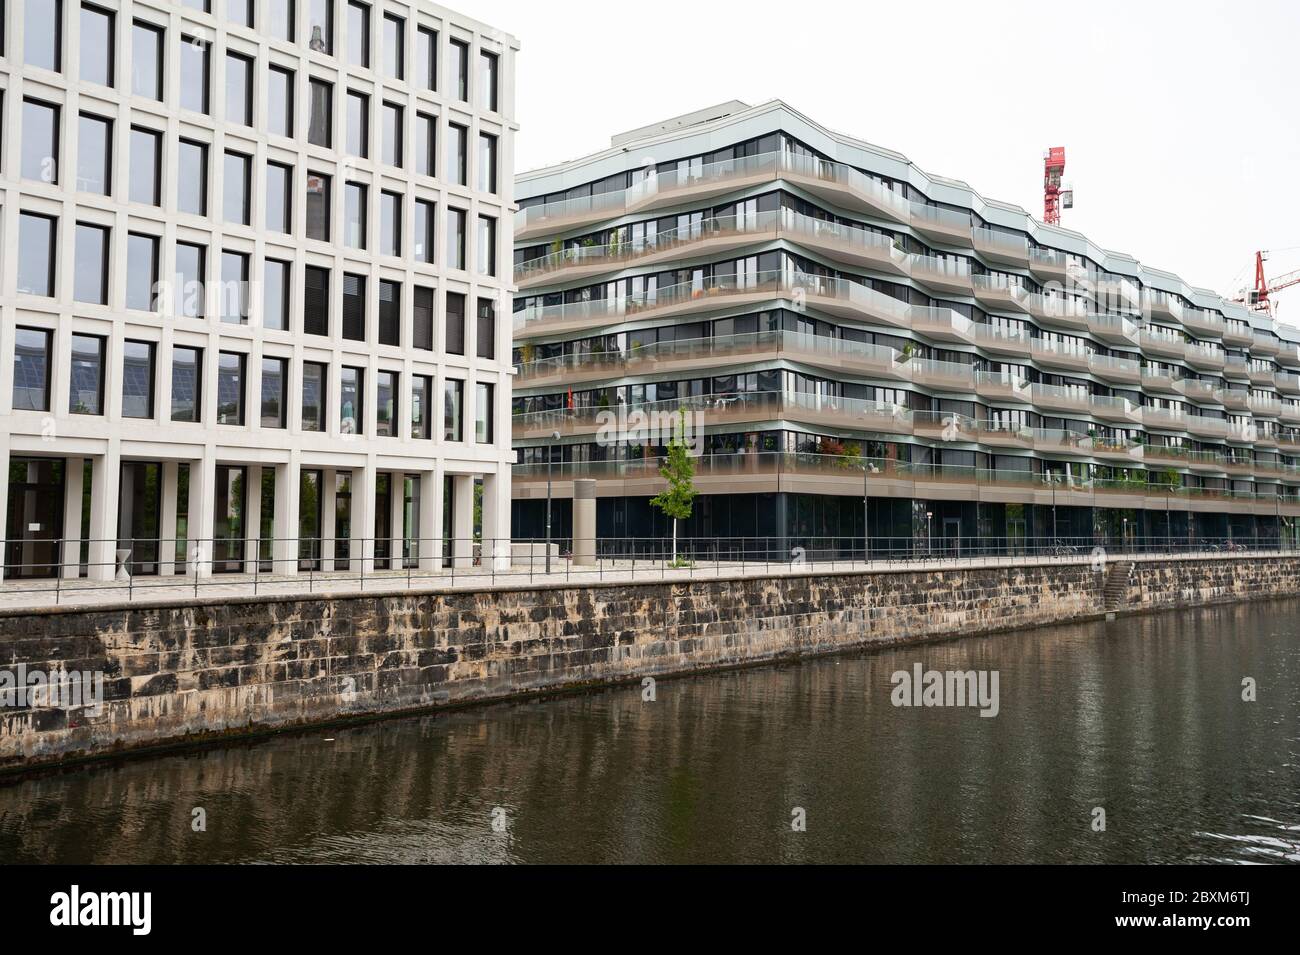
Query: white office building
[{"x": 254, "y": 277}]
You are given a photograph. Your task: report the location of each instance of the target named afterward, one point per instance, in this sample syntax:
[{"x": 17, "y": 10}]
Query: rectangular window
[
  {"x": 358, "y": 143},
  {"x": 316, "y": 300},
  {"x": 453, "y": 398},
  {"x": 237, "y": 187},
  {"x": 191, "y": 279},
  {"x": 426, "y": 55},
  {"x": 454, "y": 338},
  {"x": 455, "y": 238},
  {"x": 142, "y": 272},
  {"x": 351, "y": 382},
  {"x": 279, "y": 198},
  {"x": 454, "y": 169},
  {"x": 203, "y": 6},
  {"x": 230, "y": 387},
  {"x": 424, "y": 217},
  {"x": 320, "y": 26},
  {"x": 320, "y": 121},
  {"x": 192, "y": 188},
  {"x": 43, "y": 34},
  {"x": 392, "y": 122},
  {"x": 390, "y": 312},
  {"x": 32, "y": 369},
  {"x": 354, "y": 214},
  {"x": 194, "y": 74},
  {"x": 240, "y": 12},
  {"x": 275, "y": 294},
  {"x": 275, "y": 380},
  {"x": 36, "y": 234},
  {"x": 94, "y": 154},
  {"x": 318, "y": 206},
  {"x": 96, "y": 45},
  {"x": 40, "y": 141},
  {"x": 239, "y": 89},
  {"x": 358, "y": 35},
  {"x": 234, "y": 288},
  {"x": 146, "y": 166},
  {"x": 421, "y": 416},
  {"x": 187, "y": 381},
  {"x": 390, "y": 223},
  {"x": 386, "y": 403},
  {"x": 90, "y": 281},
  {"x": 86, "y": 389},
  {"x": 487, "y": 245},
  {"x": 137, "y": 379},
  {"x": 354, "y": 307},
  {"x": 487, "y": 163},
  {"x": 486, "y": 330},
  {"x": 279, "y": 105},
  {"x": 483, "y": 394},
  {"x": 313, "y": 396},
  {"x": 280, "y": 17},
  {"x": 458, "y": 69},
  {"x": 422, "y": 319},
  {"x": 426, "y": 144},
  {"x": 487, "y": 80},
  {"x": 394, "y": 46},
  {"x": 146, "y": 60}
]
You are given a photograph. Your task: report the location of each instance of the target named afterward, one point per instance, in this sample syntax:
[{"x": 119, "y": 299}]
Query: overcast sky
[{"x": 1181, "y": 121}]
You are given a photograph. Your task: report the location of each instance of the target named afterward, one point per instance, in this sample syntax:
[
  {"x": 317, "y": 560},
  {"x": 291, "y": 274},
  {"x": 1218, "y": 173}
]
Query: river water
[{"x": 1141, "y": 717}]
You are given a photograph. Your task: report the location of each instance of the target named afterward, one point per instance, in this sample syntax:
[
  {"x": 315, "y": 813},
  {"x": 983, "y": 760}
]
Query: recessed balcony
[
  {"x": 1237, "y": 333},
  {"x": 1265, "y": 406},
  {"x": 1071, "y": 357},
  {"x": 1163, "y": 306},
  {"x": 1004, "y": 341},
  {"x": 1113, "y": 329},
  {"x": 1236, "y": 399},
  {"x": 1051, "y": 264},
  {"x": 1061, "y": 398},
  {"x": 944, "y": 375},
  {"x": 1264, "y": 345},
  {"x": 1158, "y": 379},
  {"x": 1001, "y": 247},
  {"x": 1061, "y": 313},
  {"x": 1198, "y": 389},
  {"x": 846, "y": 244},
  {"x": 1116, "y": 409},
  {"x": 1260, "y": 376},
  {"x": 941, "y": 324},
  {"x": 1290, "y": 412},
  {"x": 1234, "y": 366},
  {"x": 1204, "y": 427},
  {"x": 1203, "y": 323},
  {"x": 1167, "y": 419},
  {"x": 1003, "y": 386},
  {"x": 1288, "y": 353},
  {"x": 847, "y": 187},
  {"x": 946, "y": 225}
]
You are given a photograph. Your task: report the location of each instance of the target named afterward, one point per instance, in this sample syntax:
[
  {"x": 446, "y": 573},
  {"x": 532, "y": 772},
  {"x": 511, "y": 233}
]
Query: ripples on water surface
[{"x": 1142, "y": 716}]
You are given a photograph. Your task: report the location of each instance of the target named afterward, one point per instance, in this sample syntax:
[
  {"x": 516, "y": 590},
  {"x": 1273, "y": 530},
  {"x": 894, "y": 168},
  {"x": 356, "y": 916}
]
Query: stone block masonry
[{"x": 191, "y": 671}]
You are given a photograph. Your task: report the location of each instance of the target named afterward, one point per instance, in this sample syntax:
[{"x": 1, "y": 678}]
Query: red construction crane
[
  {"x": 1053, "y": 169},
  {"x": 1258, "y": 297}
]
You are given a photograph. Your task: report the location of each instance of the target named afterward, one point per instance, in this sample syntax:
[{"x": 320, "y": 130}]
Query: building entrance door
[{"x": 34, "y": 523}]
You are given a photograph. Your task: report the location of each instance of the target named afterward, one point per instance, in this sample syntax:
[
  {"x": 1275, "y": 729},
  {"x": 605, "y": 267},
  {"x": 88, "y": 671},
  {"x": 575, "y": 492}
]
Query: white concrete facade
[{"x": 36, "y": 429}]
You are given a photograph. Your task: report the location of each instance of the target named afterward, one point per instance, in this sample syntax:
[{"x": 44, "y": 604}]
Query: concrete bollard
[{"x": 584, "y": 522}]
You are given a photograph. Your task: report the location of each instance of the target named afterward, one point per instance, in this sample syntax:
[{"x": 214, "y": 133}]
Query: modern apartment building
[
  {"x": 250, "y": 285},
  {"x": 870, "y": 350}
]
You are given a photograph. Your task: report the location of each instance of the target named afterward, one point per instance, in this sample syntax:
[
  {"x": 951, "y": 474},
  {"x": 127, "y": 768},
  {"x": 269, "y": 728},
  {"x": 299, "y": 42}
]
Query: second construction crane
[{"x": 1258, "y": 297}]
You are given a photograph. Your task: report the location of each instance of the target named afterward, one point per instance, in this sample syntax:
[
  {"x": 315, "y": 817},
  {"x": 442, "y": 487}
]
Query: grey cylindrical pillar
[{"x": 584, "y": 522}]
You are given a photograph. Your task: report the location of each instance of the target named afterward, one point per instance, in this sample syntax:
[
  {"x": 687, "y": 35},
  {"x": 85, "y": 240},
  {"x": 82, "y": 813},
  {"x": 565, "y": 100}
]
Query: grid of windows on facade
[{"x": 306, "y": 170}]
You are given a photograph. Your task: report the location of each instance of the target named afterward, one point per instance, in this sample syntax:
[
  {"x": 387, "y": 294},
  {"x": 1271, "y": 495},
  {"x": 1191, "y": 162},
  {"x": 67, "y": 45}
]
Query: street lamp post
[
  {"x": 866, "y": 513},
  {"x": 929, "y": 539},
  {"x": 555, "y": 437}
]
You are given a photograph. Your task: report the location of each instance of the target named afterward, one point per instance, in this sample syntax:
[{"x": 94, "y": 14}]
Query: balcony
[
  {"x": 996, "y": 294},
  {"x": 1168, "y": 419},
  {"x": 1113, "y": 329},
  {"x": 1260, "y": 376},
  {"x": 1234, "y": 366},
  {"x": 1001, "y": 247},
  {"x": 1265, "y": 405},
  {"x": 1051, "y": 264},
  {"x": 1204, "y": 356},
  {"x": 1005, "y": 341},
  {"x": 1158, "y": 379},
  {"x": 1162, "y": 342},
  {"x": 1204, "y": 427},
  {"x": 1061, "y": 313},
  {"x": 1070, "y": 357},
  {"x": 1288, "y": 353},
  {"x": 946, "y": 225},
  {"x": 1264, "y": 345},
  {"x": 943, "y": 375},
  {"x": 1236, "y": 399},
  {"x": 941, "y": 324},
  {"x": 944, "y": 275},
  {"x": 1127, "y": 371},
  {"x": 1061, "y": 398},
  {"x": 1198, "y": 389},
  {"x": 1164, "y": 306},
  {"x": 1002, "y": 386},
  {"x": 849, "y": 245},
  {"x": 847, "y": 187},
  {"x": 1290, "y": 413},
  {"x": 1204, "y": 324},
  {"x": 1115, "y": 409},
  {"x": 1237, "y": 333}
]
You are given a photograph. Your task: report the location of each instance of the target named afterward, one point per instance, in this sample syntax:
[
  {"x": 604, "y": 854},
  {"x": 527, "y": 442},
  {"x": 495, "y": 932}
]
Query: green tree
[{"x": 679, "y": 471}]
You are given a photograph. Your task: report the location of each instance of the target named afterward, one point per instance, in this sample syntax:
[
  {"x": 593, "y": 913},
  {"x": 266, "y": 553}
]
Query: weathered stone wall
[{"x": 194, "y": 670}]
